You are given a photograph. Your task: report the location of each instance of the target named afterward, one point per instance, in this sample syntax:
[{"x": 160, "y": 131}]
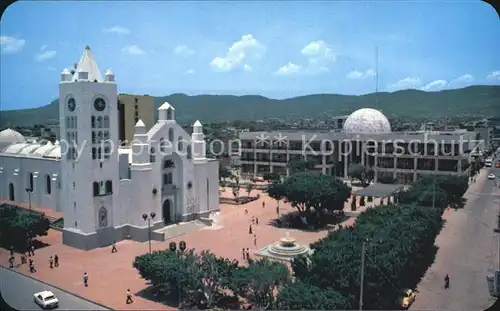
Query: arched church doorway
[
  {"x": 11, "y": 192},
  {"x": 166, "y": 212}
]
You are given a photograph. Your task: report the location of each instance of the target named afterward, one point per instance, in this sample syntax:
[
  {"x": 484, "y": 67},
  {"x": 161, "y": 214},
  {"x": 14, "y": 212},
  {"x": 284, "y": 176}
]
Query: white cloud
[
  {"x": 11, "y": 45},
  {"x": 189, "y": 71},
  {"x": 434, "y": 85},
  {"x": 133, "y": 49},
  {"x": 119, "y": 30},
  {"x": 247, "y": 68},
  {"x": 320, "y": 56},
  {"x": 289, "y": 69},
  {"x": 495, "y": 75},
  {"x": 464, "y": 78},
  {"x": 355, "y": 74},
  {"x": 406, "y": 83},
  {"x": 45, "y": 54},
  {"x": 183, "y": 50},
  {"x": 246, "y": 47}
]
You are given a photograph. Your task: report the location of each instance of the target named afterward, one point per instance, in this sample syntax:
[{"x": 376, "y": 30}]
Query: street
[
  {"x": 18, "y": 290},
  {"x": 468, "y": 251}
]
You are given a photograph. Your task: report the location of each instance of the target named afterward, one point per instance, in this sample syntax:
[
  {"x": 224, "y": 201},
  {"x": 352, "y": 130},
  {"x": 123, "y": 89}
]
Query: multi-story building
[
  {"x": 367, "y": 140},
  {"x": 131, "y": 109}
]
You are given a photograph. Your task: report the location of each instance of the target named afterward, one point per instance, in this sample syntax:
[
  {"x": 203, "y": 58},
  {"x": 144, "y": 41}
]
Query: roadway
[
  {"x": 468, "y": 251},
  {"x": 17, "y": 291}
]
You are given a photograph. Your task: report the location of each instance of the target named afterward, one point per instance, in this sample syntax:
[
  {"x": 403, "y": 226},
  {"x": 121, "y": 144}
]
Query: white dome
[
  {"x": 11, "y": 136},
  {"x": 367, "y": 120}
]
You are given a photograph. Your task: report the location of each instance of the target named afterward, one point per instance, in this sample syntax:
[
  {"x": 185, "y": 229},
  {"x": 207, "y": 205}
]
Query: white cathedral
[{"x": 103, "y": 189}]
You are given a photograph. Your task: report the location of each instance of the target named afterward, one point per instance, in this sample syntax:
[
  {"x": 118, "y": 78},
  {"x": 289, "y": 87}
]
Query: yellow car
[{"x": 408, "y": 298}]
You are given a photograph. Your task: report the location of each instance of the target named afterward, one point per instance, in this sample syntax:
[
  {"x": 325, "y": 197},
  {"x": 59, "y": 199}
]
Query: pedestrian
[
  {"x": 12, "y": 250},
  {"x": 250, "y": 229},
  {"x": 246, "y": 211},
  {"x": 243, "y": 253},
  {"x": 248, "y": 253},
  {"x": 86, "y": 279},
  {"x": 32, "y": 250},
  {"x": 253, "y": 220},
  {"x": 11, "y": 262},
  {"x": 56, "y": 260},
  {"x": 255, "y": 240},
  {"x": 129, "y": 297},
  {"x": 23, "y": 258},
  {"x": 263, "y": 204},
  {"x": 113, "y": 248},
  {"x": 51, "y": 262},
  {"x": 256, "y": 220},
  {"x": 32, "y": 266}
]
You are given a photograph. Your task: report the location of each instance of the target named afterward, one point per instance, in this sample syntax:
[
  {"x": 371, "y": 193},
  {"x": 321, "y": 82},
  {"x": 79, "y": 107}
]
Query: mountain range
[{"x": 479, "y": 100}]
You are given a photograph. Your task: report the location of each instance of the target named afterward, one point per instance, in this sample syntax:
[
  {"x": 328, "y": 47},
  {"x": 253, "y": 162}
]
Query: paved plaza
[{"x": 110, "y": 275}]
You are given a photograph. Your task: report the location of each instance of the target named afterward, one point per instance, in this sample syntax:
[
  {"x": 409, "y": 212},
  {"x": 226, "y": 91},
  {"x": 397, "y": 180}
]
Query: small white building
[{"x": 104, "y": 190}]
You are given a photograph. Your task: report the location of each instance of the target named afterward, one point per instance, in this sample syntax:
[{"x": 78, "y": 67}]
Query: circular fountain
[{"x": 287, "y": 248}]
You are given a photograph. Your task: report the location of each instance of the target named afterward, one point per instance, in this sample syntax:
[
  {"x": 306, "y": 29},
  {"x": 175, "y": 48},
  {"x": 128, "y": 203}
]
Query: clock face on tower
[
  {"x": 99, "y": 104},
  {"x": 71, "y": 104}
]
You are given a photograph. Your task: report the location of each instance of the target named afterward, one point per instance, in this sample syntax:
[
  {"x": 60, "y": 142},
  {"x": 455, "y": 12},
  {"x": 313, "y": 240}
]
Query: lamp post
[
  {"x": 29, "y": 191},
  {"x": 362, "y": 276},
  {"x": 149, "y": 217}
]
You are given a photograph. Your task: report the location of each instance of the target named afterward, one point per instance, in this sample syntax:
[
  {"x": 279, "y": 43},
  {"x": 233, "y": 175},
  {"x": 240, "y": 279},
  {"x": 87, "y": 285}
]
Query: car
[
  {"x": 491, "y": 176},
  {"x": 408, "y": 298},
  {"x": 46, "y": 299}
]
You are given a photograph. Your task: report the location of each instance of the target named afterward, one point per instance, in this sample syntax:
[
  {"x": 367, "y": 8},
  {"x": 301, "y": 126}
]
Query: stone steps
[{"x": 177, "y": 230}]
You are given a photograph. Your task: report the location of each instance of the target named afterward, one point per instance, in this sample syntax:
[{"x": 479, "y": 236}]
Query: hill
[{"x": 478, "y": 100}]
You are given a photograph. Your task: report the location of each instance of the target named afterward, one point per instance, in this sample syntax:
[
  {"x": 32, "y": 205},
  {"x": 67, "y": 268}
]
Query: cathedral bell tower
[{"x": 89, "y": 156}]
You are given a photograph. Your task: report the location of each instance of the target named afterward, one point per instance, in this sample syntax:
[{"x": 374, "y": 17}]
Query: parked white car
[
  {"x": 491, "y": 176},
  {"x": 46, "y": 300}
]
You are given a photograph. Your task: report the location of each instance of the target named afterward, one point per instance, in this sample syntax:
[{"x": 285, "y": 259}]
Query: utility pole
[{"x": 362, "y": 277}]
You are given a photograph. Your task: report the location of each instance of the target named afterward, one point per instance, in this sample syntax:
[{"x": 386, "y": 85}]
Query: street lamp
[
  {"x": 149, "y": 217},
  {"x": 362, "y": 277},
  {"x": 29, "y": 191}
]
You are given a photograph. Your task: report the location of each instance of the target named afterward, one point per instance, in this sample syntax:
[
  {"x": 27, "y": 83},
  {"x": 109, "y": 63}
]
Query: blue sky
[{"x": 276, "y": 49}]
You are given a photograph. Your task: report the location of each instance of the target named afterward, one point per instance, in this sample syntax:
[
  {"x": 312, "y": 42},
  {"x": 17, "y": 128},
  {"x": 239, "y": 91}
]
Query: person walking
[
  {"x": 56, "y": 260},
  {"x": 12, "y": 250},
  {"x": 255, "y": 240},
  {"x": 243, "y": 253},
  {"x": 23, "y": 258},
  {"x": 129, "y": 297},
  {"x": 51, "y": 262},
  {"x": 32, "y": 250},
  {"x": 250, "y": 229},
  {"x": 248, "y": 253},
  {"x": 256, "y": 220},
  {"x": 263, "y": 204},
  {"x": 446, "y": 282},
  {"x": 86, "y": 279},
  {"x": 113, "y": 248}
]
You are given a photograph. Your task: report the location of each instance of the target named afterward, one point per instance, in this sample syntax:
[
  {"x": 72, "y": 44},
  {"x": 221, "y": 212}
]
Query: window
[
  {"x": 92, "y": 121},
  {"x": 93, "y": 137},
  {"x": 99, "y": 153},
  {"x": 169, "y": 114},
  {"x": 97, "y": 188},
  {"x": 76, "y": 137},
  {"x": 99, "y": 122},
  {"x": 163, "y": 148},
  {"x": 152, "y": 157},
  {"x": 106, "y": 135},
  {"x": 136, "y": 100},
  {"x": 106, "y": 122},
  {"x": 99, "y": 137},
  {"x": 30, "y": 181},
  {"x": 180, "y": 141},
  {"x": 75, "y": 120},
  {"x": 48, "y": 185},
  {"x": 94, "y": 153},
  {"x": 168, "y": 164},
  {"x": 171, "y": 135},
  {"x": 189, "y": 155},
  {"x": 136, "y": 120},
  {"x": 136, "y": 113},
  {"x": 108, "y": 188},
  {"x": 67, "y": 122},
  {"x": 167, "y": 178}
]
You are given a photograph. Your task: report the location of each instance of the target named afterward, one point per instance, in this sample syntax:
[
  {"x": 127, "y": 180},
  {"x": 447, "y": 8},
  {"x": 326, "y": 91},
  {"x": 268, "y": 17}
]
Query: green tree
[
  {"x": 297, "y": 166},
  {"x": 270, "y": 177},
  {"x": 276, "y": 190},
  {"x": 387, "y": 179},
  {"x": 304, "y": 296},
  {"x": 214, "y": 274},
  {"x": 259, "y": 280},
  {"x": 318, "y": 191},
  {"x": 362, "y": 173},
  {"x": 224, "y": 173},
  {"x": 18, "y": 226}
]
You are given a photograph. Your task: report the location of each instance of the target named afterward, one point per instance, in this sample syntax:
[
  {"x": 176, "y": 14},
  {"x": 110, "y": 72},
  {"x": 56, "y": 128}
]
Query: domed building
[
  {"x": 9, "y": 137},
  {"x": 367, "y": 121}
]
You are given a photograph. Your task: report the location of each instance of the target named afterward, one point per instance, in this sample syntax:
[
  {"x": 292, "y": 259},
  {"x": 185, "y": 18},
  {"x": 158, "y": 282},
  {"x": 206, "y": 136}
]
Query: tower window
[
  {"x": 93, "y": 137},
  {"x": 152, "y": 157},
  {"x": 31, "y": 181},
  {"x": 94, "y": 153},
  {"x": 108, "y": 188},
  {"x": 92, "y": 121},
  {"x": 67, "y": 122},
  {"x": 106, "y": 122},
  {"x": 169, "y": 114},
  {"x": 171, "y": 135},
  {"x": 163, "y": 148},
  {"x": 179, "y": 143},
  {"x": 99, "y": 153},
  {"x": 106, "y": 135},
  {"x": 136, "y": 113},
  {"x": 189, "y": 155},
  {"x": 99, "y": 122},
  {"x": 48, "y": 186},
  {"x": 99, "y": 136},
  {"x": 136, "y": 120},
  {"x": 97, "y": 188}
]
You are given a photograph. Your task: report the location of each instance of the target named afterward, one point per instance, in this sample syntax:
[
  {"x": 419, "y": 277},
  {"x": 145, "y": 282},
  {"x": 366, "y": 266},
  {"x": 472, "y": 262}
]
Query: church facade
[{"x": 104, "y": 189}]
